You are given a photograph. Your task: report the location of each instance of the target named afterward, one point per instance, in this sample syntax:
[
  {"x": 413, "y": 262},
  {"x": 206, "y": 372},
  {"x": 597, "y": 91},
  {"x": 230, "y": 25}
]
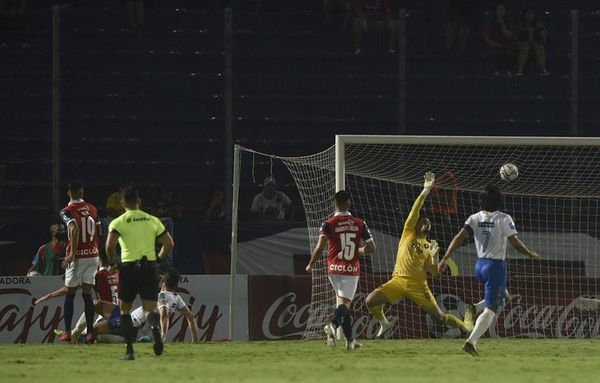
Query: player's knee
[{"x": 371, "y": 300}]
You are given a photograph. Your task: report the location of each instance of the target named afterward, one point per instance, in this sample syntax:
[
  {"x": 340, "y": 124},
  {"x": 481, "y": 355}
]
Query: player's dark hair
[
  {"x": 56, "y": 221},
  {"x": 130, "y": 194},
  {"x": 342, "y": 197},
  {"x": 75, "y": 186},
  {"x": 491, "y": 198},
  {"x": 171, "y": 278}
]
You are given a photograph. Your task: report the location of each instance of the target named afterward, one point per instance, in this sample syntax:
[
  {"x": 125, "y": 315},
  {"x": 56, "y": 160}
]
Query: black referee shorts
[{"x": 138, "y": 278}]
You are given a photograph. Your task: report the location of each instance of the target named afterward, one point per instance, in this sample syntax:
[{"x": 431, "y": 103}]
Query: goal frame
[
  {"x": 340, "y": 171},
  {"x": 342, "y": 140}
]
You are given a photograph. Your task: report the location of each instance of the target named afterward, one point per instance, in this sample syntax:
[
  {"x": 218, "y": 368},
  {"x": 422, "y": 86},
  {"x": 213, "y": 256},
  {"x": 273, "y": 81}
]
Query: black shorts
[{"x": 138, "y": 278}]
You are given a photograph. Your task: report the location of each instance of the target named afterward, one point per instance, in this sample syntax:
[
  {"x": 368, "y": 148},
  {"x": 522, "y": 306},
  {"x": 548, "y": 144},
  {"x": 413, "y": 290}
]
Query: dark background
[{"x": 147, "y": 105}]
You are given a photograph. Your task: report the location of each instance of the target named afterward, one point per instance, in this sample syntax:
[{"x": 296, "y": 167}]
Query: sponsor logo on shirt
[
  {"x": 346, "y": 228},
  {"x": 486, "y": 224},
  {"x": 343, "y": 268},
  {"x": 416, "y": 247},
  {"x": 93, "y": 251},
  {"x": 129, "y": 220}
]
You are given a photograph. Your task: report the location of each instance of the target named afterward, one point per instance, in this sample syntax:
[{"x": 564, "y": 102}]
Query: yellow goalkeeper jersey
[{"x": 413, "y": 251}]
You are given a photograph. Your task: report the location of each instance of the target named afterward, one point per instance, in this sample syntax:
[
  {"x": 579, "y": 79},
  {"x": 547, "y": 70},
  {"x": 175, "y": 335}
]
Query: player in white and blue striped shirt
[{"x": 491, "y": 229}]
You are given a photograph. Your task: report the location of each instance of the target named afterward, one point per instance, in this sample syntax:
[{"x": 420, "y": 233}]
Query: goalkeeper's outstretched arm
[{"x": 413, "y": 216}]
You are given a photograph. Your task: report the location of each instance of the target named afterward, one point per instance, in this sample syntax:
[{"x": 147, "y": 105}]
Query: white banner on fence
[{"x": 206, "y": 295}]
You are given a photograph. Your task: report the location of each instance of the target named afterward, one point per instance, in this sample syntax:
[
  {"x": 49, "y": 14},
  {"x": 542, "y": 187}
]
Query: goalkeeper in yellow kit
[{"x": 416, "y": 256}]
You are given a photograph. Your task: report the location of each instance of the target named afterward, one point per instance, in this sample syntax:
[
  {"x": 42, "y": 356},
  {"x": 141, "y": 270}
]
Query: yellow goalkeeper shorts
[{"x": 399, "y": 288}]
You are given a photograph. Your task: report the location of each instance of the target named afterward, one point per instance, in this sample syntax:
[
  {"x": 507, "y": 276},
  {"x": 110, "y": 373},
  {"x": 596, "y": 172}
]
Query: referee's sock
[
  {"x": 69, "y": 300},
  {"x": 154, "y": 320},
  {"x": 127, "y": 331},
  {"x": 88, "y": 304}
]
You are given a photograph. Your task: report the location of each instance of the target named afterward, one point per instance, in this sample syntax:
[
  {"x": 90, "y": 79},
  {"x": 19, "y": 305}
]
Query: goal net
[{"x": 554, "y": 203}]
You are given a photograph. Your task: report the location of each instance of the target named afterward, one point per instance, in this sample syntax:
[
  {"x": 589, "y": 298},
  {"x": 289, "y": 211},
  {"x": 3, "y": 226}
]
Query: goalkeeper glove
[
  {"x": 428, "y": 183},
  {"x": 434, "y": 249}
]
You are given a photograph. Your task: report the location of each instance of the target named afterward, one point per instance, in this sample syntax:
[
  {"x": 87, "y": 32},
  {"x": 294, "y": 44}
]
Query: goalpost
[{"x": 554, "y": 203}]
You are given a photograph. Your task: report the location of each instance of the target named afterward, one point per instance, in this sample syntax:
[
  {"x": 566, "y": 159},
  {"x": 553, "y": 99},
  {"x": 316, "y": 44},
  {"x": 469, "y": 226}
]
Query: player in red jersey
[
  {"x": 107, "y": 290},
  {"x": 81, "y": 261},
  {"x": 107, "y": 282},
  {"x": 344, "y": 234}
]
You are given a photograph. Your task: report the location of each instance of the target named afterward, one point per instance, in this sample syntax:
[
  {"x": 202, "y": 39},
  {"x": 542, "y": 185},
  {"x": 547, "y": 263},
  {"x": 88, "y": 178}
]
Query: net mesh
[{"x": 554, "y": 204}]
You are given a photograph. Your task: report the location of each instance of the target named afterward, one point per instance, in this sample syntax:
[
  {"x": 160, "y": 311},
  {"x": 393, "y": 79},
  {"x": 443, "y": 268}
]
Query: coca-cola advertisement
[
  {"x": 278, "y": 306},
  {"x": 207, "y": 297},
  {"x": 539, "y": 307}
]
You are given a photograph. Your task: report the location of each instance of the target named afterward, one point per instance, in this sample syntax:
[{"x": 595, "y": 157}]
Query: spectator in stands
[
  {"x": 114, "y": 208},
  {"x": 498, "y": 37},
  {"x": 215, "y": 212},
  {"x": 14, "y": 18},
  {"x": 271, "y": 204},
  {"x": 166, "y": 206},
  {"x": 375, "y": 14},
  {"x": 459, "y": 24},
  {"x": 49, "y": 257},
  {"x": 134, "y": 13},
  {"x": 531, "y": 35}
]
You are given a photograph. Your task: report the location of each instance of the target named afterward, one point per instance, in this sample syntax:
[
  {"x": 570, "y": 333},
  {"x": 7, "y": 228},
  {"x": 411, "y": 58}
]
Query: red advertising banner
[{"x": 540, "y": 307}]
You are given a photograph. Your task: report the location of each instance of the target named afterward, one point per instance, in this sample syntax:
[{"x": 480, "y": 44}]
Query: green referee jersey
[{"x": 137, "y": 231}]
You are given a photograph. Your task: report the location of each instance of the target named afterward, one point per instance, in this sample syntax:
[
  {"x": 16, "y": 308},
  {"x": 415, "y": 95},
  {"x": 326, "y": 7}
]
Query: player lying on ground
[
  {"x": 343, "y": 233},
  {"x": 414, "y": 259},
  {"x": 106, "y": 287},
  {"x": 168, "y": 303},
  {"x": 491, "y": 229},
  {"x": 107, "y": 312}
]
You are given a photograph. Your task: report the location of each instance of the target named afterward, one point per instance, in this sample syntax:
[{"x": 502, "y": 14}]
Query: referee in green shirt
[{"x": 137, "y": 233}]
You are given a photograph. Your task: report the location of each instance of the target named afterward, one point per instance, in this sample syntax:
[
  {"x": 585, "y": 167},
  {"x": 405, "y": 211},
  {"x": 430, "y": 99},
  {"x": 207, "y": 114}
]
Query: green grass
[{"x": 440, "y": 361}]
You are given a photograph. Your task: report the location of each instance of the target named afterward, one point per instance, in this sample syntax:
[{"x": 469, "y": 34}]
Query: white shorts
[
  {"x": 344, "y": 285},
  {"x": 81, "y": 271}
]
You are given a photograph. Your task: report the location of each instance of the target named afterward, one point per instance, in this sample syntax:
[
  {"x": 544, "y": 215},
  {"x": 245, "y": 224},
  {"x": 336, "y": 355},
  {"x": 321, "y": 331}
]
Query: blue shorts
[
  {"x": 492, "y": 273},
  {"x": 114, "y": 321}
]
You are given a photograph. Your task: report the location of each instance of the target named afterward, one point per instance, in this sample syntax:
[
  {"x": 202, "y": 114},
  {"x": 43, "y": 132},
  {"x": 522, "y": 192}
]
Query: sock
[
  {"x": 377, "y": 312},
  {"x": 127, "y": 331},
  {"x": 154, "y": 320},
  {"x": 347, "y": 327},
  {"x": 80, "y": 326},
  {"x": 88, "y": 308},
  {"x": 452, "y": 321},
  {"x": 479, "y": 307},
  {"x": 69, "y": 299},
  {"x": 483, "y": 323},
  {"x": 338, "y": 316}
]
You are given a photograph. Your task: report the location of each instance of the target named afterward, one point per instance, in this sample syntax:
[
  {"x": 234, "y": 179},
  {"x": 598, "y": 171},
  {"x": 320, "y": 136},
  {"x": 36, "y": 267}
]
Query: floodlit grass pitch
[{"x": 440, "y": 361}]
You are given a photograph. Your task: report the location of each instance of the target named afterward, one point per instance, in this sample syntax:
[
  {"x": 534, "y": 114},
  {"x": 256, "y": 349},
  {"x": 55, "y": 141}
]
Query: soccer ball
[{"x": 509, "y": 172}]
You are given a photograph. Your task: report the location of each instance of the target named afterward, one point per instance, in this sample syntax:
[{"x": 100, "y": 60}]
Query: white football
[{"x": 509, "y": 172}]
